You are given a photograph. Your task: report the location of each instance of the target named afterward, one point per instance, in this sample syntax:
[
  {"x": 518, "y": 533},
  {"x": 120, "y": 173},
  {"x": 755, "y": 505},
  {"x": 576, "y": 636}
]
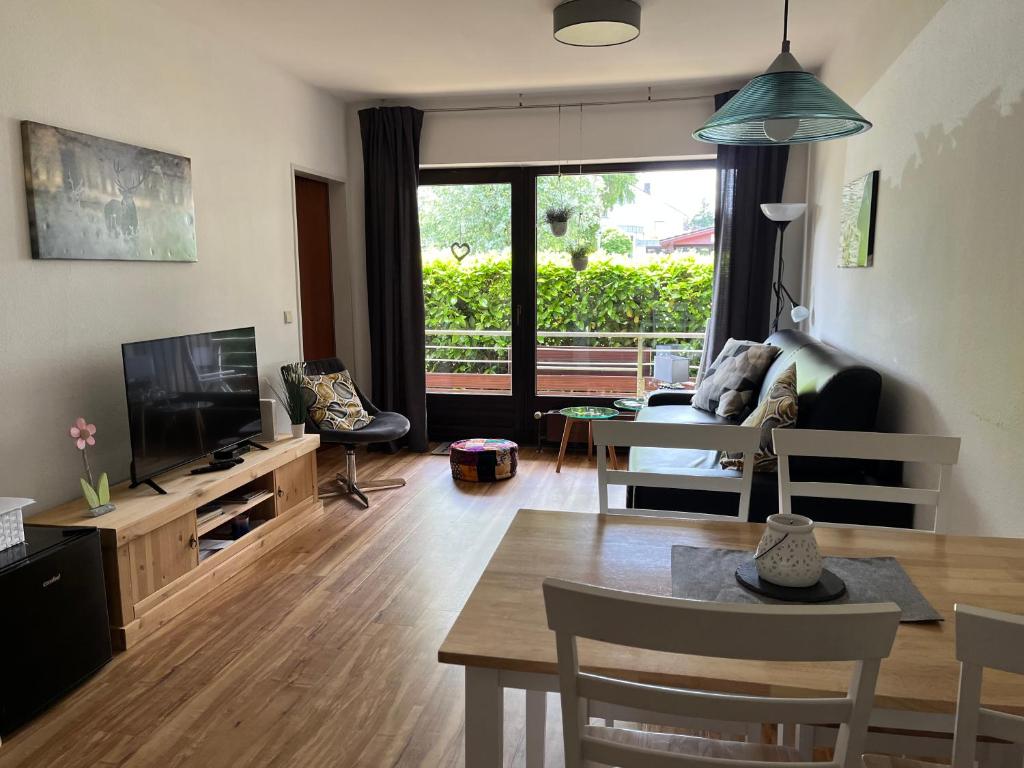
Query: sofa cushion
[
  {"x": 667, "y": 460},
  {"x": 777, "y": 410},
  {"x": 678, "y": 414},
  {"x": 731, "y": 384}
]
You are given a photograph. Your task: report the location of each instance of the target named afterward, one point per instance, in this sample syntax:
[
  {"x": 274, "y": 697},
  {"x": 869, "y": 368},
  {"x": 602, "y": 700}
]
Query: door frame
[
  {"x": 340, "y": 279},
  {"x": 525, "y": 402},
  {"x": 450, "y": 416},
  {"x": 544, "y": 403}
]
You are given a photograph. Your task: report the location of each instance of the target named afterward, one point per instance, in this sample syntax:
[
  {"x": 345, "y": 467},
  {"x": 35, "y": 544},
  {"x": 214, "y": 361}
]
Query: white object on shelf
[
  {"x": 268, "y": 406},
  {"x": 12, "y": 522}
]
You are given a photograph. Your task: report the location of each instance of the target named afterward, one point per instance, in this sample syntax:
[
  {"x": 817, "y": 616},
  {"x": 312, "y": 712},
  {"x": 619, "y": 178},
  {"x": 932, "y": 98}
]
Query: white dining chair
[
  {"x": 711, "y": 437},
  {"x": 984, "y": 640},
  {"x": 861, "y": 633},
  {"x": 837, "y": 444}
]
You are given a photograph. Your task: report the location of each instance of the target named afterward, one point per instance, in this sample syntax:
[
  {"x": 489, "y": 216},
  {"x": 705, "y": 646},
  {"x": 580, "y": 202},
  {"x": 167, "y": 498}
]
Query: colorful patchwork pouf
[{"x": 483, "y": 459}]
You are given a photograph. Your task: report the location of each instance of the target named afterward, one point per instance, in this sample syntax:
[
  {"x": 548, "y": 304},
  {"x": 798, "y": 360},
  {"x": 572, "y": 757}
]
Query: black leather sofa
[{"x": 835, "y": 392}]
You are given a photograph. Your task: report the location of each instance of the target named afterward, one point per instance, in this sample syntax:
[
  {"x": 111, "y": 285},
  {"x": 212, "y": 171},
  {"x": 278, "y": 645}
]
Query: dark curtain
[
  {"x": 744, "y": 242},
  {"x": 394, "y": 275}
]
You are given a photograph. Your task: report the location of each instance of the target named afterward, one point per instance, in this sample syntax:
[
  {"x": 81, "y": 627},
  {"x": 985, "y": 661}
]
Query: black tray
[{"x": 829, "y": 587}]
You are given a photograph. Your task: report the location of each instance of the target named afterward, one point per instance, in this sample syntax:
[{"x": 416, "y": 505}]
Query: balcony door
[
  {"x": 471, "y": 235},
  {"x": 521, "y": 317}
]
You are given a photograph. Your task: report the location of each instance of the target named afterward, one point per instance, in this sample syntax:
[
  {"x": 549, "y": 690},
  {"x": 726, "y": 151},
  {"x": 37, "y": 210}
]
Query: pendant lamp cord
[
  {"x": 785, "y": 29},
  {"x": 559, "y": 146},
  {"x": 581, "y": 136}
]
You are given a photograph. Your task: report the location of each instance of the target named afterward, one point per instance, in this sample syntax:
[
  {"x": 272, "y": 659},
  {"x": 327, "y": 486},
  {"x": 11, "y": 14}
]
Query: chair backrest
[
  {"x": 862, "y": 633},
  {"x": 712, "y": 437},
  {"x": 990, "y": 639},
  {"x": 325, "y": 365},
  {"x": 924, "y": 449}
]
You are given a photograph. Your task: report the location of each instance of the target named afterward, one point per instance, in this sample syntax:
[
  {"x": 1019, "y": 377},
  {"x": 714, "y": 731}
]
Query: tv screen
[{"x": 189, "y": 396}]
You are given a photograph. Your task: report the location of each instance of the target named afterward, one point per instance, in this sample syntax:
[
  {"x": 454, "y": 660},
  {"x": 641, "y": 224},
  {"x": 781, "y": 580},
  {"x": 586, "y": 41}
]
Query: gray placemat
[{"x": 702, "y": 573}]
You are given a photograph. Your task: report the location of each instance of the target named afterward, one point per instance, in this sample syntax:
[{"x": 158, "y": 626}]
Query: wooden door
[
  {"x": 316, "y": 286},
  {"x": 162, "y": 555},
  {"x": 296, "y": 482}
]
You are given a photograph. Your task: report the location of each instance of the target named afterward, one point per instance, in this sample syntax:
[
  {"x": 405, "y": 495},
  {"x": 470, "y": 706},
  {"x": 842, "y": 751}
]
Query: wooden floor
[{"x": 324, "y": 652}]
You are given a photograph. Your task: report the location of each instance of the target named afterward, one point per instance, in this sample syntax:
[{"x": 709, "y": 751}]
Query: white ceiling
[{"x": 387, "y": 48}]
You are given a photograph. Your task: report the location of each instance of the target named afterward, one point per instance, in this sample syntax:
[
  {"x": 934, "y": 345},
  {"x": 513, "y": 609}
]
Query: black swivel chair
[{"x": 385, "y": 427}]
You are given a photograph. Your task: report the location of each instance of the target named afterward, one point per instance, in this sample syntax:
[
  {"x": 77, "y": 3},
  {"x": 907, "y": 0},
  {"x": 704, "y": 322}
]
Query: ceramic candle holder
[{"x": 788, "y": 552}]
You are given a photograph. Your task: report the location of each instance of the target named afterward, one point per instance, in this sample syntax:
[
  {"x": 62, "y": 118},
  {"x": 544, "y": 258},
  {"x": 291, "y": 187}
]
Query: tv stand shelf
[
  {"x": 207, "y": 522},
  {"x": 151, "y": 542}
]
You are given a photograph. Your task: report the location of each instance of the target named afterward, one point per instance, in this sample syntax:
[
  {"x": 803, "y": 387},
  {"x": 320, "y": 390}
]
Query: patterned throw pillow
[
  {"x": 776, "y": 411},
  {"x": 730, "y": 386},
  {"x": 335, "y": 402}
]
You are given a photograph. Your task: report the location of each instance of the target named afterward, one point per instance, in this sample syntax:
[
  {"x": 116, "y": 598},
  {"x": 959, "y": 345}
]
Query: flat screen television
[{"x": 190, "y": 396}]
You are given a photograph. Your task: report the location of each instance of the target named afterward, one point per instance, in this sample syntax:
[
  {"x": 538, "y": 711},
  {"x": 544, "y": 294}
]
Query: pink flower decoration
[{"x": 82, "y": 433}]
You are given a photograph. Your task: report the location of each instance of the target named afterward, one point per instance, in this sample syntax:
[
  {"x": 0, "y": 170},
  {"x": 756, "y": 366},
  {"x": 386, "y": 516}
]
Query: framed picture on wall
[
  {"x": 857, "y": 222},
  {"x": 93, "y": 198}
]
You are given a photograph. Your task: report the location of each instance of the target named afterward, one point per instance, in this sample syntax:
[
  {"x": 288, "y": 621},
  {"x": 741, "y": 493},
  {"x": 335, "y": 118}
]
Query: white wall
[
  {"x": 941, "y": 311},
  {"x": 127, "y": 71},
  {"x": 647, "y": 131}
]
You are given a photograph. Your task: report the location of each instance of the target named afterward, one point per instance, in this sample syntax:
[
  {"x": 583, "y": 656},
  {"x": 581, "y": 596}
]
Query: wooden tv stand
[{"x": 151, "y": 543}]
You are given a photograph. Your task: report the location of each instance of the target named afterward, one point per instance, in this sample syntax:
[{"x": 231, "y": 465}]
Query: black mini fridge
[{"x": 54, "y": 630}]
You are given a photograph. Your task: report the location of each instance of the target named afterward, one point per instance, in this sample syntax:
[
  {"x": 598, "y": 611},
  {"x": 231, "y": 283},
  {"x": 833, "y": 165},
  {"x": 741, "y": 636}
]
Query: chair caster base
[{"x": 343, "y": 486}]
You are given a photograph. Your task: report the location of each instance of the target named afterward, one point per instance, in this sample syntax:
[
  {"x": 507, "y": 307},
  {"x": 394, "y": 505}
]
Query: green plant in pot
[
  {"x": 558, "y": 219},
  {"x": 293, "y": 396},
  {"x": 580, "y": 256}
]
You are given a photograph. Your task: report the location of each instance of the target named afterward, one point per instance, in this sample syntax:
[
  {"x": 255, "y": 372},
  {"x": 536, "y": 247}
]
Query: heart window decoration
[{"x": 460, "y": 251}]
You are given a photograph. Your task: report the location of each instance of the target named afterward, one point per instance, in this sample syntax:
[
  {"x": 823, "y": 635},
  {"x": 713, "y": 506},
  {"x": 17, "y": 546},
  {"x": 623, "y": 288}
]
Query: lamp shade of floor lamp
[{"x": 782, "y": 214}]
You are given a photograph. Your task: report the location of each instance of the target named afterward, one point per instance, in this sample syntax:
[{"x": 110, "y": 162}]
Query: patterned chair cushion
[
  {"x": 776, "y": 411},
  {"x": 730, "y": 386},
  {"x": 335, "y": 403}
]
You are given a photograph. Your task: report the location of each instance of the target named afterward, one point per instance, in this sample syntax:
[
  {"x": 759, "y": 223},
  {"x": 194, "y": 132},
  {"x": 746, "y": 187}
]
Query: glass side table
[
  {"x": 589, "y": 414},
  {"x": 629, "y": 404}
]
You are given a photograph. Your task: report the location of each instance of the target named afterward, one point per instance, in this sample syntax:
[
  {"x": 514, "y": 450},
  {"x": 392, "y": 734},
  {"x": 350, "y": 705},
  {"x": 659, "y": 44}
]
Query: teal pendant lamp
[{"x": 785, "y": 105}]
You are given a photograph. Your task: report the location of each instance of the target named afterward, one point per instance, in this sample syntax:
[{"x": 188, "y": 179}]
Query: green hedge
[{"x": 671, "y": 294}]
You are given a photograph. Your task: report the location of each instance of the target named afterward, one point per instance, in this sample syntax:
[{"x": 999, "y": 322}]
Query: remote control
[{"x": 214, "y": 466}]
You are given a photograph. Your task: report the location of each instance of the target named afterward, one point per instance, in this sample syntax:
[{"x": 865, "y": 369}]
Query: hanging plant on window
[
  {"x": 558, "y": 219},
  {"x": 557, "y": 216},
  {"x": 580, "y": 256}
]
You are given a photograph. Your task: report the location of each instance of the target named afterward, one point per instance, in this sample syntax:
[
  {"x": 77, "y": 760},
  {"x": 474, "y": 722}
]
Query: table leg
[
  {"x": 590, "y": 439},
  {"x": 612, "y": 458},
  {"x": 536, "y": 724},
  {"x": 565, "y": 442},
  {"x": 485, "y": 716}
]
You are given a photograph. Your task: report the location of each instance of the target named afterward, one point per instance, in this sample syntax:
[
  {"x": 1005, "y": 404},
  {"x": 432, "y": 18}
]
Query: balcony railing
[{"x": 483, "y": 363}]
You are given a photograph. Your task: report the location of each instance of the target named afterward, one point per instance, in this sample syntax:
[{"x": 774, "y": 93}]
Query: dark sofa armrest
[{"x": 669, "y": 397}]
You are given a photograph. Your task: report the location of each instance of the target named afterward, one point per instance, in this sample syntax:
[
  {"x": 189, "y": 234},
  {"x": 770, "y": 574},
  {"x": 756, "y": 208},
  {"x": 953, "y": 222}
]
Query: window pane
[
  {"x": 623, "y": 297},
  {"x": 466, "y": 241}
]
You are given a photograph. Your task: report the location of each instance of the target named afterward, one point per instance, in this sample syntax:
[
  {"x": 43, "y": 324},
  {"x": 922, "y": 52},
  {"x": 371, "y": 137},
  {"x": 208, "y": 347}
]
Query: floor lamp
[{"x": 782, "y": 214}]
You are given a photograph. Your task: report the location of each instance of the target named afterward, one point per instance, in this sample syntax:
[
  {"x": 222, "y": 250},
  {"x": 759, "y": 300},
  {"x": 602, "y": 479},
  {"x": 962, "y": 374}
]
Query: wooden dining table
[{"x": 501, "y": 635}]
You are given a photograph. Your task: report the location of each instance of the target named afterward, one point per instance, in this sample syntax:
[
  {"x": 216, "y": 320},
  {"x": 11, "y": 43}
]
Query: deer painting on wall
[
  {"x": 121, "y": 214},
  {"x": 93, "y": 198}
]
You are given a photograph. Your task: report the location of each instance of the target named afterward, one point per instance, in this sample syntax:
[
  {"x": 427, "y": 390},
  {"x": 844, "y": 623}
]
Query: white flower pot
[
  {"x": 788, "y": 552},
  {"x": 298, "y": 430}
]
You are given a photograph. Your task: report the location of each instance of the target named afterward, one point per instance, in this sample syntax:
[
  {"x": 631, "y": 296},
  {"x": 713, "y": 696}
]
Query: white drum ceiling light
[{"x": 595, "y": 23}]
